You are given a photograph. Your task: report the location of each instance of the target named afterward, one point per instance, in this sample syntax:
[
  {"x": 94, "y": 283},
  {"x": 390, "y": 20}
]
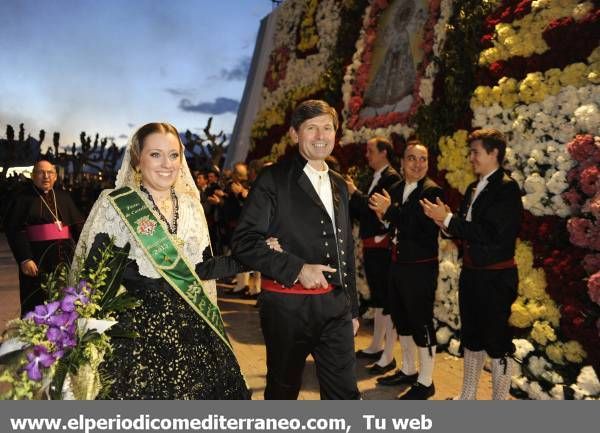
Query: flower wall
[{"x": 528, "y": 68}]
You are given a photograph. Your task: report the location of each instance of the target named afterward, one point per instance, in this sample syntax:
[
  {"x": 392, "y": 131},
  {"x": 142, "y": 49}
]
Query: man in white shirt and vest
[
  {"x": 376, "y": 253},
  {"x": 413, "y": 271},
  {"x": 488, "y": 224},
  {"x": 308, "y": 303}
]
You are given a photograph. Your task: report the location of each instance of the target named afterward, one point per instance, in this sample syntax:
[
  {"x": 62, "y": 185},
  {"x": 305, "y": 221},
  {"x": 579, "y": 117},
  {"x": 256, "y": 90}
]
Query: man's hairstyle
[
  {"x": 310, "y": 109},
  {"x": 413, "y": 142},
  {"x": 137, "y": 141},
  {"x": 490, "y": 139},
  {"x": 37, "y": 163}
]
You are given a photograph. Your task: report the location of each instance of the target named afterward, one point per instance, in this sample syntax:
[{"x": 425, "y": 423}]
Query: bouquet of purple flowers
[{"x": 55, "y": 350}]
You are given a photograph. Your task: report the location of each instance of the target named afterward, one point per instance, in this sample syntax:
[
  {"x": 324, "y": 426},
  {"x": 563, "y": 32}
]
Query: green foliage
[{"x": 457, "y": 70}]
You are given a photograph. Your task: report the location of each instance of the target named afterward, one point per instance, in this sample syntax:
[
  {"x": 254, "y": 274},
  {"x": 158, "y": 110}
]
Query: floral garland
[
  {"x": 539, "y": 113},
  {"x": 303, "y": 76},
  {"x": 453, "y": 159},
  {"x": 524, "y": 37},
  {"x": 356, "y": 129}
]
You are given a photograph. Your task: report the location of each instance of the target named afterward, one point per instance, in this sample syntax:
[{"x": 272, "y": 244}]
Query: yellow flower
[
  {"x": 574, "y": 75},
  {"x": 533, "y": 286},
  {"x": 556, "y": 353},
  {"x": 595, "y": 56},
  {"x": 520, "y": 316},
  {"x": 454, "y": 159},
  {"x": 524, "y": 258},
  {"x": 593, "y": 73},
  {"x": 574, "y": 352},
  {"x": 542, "y": 333}
]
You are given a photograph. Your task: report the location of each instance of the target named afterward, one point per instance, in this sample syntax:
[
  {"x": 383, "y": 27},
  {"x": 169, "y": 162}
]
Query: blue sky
[{"x": 107, "y": 66}]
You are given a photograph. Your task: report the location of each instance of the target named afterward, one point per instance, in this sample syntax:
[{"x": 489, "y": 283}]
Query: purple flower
[
  {"x": 36, "y": 357},
  {"x": 62, "y": 331},
  {"x": 75, "y": 294},
  {"x": 42, "y": 313}
]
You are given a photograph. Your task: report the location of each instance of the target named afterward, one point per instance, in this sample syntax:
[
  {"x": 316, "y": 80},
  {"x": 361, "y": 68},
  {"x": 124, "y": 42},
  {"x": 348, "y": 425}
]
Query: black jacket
[
  {"x": 416, "y": 234},
  {"x": 284, "y": 204},
  {"x": 491, "y": 235},
  {"x": 28, "y": 209},
  {"x": 359, "y": 205}
]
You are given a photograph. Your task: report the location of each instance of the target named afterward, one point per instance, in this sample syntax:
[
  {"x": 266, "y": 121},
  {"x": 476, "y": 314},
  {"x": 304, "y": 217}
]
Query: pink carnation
[
  {"x": 572, "y": 197},
  {"x": 593, "y": 206},
  {"x": 583, "y": 148},
  {"x": 584, "y": 233},
  {"x": 594, "y": 287},
  {"x": 591, "y": 263},
  {"x": 590, "y": 180}
]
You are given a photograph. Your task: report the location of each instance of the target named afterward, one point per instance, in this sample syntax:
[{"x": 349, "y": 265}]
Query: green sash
[{"x": 166, "y": 257}]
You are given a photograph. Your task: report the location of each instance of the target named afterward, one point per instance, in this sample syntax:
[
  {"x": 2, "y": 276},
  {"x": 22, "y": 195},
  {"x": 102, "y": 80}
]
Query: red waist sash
[
  {"x": 47, "y": 232},
  {"x": 372, "y": 243},
  {"x": 506, "y": 264},
  {"x": 296, "y": 289}
]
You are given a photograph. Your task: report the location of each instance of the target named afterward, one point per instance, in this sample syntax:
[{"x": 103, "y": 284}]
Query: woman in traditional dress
[{"x": 182, "y": 350}]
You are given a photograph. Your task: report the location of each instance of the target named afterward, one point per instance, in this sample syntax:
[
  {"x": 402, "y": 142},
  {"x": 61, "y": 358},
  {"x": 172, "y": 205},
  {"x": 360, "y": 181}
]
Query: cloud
[
  {"x": 131, "y": 125},
  {"x": 220, "y": 106},
  {"x": 183, "y": 93},
  {"x": 123, "y": 136},
  {"x": 239, "y": 72}
]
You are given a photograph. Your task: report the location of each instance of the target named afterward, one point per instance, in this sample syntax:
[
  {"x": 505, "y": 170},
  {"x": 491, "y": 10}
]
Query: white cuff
[{"x": 447, "y": 219}]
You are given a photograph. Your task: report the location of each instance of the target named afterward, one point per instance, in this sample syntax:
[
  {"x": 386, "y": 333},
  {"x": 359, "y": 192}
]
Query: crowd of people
[{"x": 285, "y": 230}]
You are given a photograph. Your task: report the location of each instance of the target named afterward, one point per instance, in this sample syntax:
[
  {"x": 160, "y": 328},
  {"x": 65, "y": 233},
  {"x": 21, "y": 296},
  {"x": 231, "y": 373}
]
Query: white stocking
[
  {"x": 426, "y": 362},
  {"x": 502, "y": 369},
  {"x": 409, "y": 348},
  {"x": 472, "y": 366},
  {"x": 378, "y": 332},
  {"x": 390, "y": 340}
]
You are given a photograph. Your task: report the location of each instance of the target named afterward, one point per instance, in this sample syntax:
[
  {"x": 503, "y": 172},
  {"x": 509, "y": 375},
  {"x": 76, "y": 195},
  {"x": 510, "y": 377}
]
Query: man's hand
[
  {"x": 436, "y": 211},
  {"x": 311, "y": 276},
  {"x": 350, "y": 183},
  {"x": 355, "y": 325},
  {"x": 380, "y": 203},
  {"x": 29, "y": 268},
  {"x": 273, "y": 243}
]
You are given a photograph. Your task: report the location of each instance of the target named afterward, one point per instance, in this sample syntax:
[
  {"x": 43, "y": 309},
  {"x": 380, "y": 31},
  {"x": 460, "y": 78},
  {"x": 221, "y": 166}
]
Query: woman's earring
[{"x": 137, "y": 177}]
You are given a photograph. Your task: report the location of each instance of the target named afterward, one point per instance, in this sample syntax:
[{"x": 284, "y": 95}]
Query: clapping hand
[
  {"x": 380, "y": 203},
  {"x": 436, "y": 211}
]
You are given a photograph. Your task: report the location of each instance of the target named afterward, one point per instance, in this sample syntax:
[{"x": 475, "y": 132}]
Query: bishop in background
[{"x": 41, "y": 226}]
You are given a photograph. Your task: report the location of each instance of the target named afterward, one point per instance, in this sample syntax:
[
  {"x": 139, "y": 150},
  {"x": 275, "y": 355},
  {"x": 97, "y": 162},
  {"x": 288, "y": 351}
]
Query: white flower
[
  {"x": 560, "y": 207},
  {"x": 522, "y": 348},
  {"x": 535, "y": 184},
  {"x": 558, "y": 392},
  {"x": 587, "y": 384},
  {"x": 552, "y": 377},
  {"x": 537, "y": 393},
  {"x": 558, "y": 182},
  {"x": 587, "y": 118},
  {"x": 443, "y": 334},
  {"x": 453, "y": 347},
  {"x": 538, "y": 365},
  {"x": 520, "y": 382}
]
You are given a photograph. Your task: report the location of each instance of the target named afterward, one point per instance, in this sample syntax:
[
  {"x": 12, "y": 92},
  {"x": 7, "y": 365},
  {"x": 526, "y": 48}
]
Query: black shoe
[
  {"x": 361, "y": 354},
  {"x": 378, "y": 369},
  {"x": 418, "y": 392},
  {"x": 398, "y": 378}
]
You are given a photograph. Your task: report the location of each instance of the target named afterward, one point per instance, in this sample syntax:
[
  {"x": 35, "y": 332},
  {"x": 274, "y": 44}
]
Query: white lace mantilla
[{"x": 191, "y": 228}]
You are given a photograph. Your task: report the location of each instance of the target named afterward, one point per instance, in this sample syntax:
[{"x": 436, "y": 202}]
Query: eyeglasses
[{"x": 48, "y": 173}]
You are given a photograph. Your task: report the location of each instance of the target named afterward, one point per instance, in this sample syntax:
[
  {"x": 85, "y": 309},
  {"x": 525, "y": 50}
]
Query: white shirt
[
  {"x": 322, "y": 185},
  {"x": 409, "y": 187},
  {"x": 376, "y": 177},
  {"x": 480, "y": 186}
]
